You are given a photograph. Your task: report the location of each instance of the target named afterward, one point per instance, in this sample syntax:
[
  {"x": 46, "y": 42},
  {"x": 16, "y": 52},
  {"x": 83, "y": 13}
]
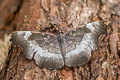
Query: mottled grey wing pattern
[
  {"x": 19, "y": 38},
  {"x": 80, "y": 42},
  {"x": 74, "y": 37},
  {"x": 42, "y": 47},
  {"x": 72, "y": 49}
]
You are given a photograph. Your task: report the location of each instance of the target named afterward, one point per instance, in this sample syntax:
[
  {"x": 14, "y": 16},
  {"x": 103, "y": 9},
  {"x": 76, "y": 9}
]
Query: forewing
[
  {"x": 42, "y": 47},
  {"x": 74, "y": 37},
  {"x": 79, "y": 43}
]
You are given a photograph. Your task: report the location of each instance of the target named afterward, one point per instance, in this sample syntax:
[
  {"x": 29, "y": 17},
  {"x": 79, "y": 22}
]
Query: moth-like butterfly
[{"x": 51, "y": 51}]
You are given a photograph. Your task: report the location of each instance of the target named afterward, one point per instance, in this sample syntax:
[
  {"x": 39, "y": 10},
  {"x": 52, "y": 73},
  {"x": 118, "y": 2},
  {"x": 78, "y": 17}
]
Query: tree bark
[{"x": 42, "y": 15}]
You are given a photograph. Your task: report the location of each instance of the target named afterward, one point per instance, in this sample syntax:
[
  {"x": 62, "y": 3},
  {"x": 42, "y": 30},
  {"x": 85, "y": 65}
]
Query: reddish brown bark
[{"x": 42, "y": 15}]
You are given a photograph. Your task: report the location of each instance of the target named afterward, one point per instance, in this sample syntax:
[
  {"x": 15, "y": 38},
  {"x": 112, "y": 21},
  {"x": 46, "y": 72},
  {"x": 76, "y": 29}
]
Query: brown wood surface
[{"x": 43, "y": 15}]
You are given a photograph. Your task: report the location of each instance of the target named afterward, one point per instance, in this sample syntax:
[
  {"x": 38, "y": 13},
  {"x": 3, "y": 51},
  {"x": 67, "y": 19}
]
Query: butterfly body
[{"x": 71, "y": 49}]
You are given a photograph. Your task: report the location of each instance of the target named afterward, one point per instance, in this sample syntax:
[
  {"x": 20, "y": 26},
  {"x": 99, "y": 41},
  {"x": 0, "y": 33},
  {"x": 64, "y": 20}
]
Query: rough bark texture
[
  {"x": 7, "y": 10},
  {"x": 44, "y": 15}
]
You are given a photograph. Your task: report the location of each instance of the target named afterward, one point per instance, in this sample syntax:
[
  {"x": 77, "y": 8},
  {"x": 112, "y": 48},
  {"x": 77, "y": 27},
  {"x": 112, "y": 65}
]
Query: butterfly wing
[
  {"x": 80, "y": 42},
  {"x": 41, "y": 47}
]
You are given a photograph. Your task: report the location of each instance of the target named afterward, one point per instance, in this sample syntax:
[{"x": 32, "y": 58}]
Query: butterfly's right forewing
[
  {"x": 77, "y": 53},
  {"x": 80, "y": 42}
]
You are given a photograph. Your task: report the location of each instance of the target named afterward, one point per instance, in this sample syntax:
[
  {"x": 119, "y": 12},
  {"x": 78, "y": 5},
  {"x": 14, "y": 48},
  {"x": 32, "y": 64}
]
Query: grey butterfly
[{"x": 50, "y": 51}]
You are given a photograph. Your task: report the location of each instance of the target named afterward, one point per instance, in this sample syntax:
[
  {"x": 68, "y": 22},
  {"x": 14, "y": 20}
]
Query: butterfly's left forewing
[{"x": 42, "y": 47}]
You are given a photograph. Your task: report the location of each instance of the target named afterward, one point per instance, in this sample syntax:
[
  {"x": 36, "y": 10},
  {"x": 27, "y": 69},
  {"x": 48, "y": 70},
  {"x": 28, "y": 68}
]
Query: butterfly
[{"x": 51, "y": 51}]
